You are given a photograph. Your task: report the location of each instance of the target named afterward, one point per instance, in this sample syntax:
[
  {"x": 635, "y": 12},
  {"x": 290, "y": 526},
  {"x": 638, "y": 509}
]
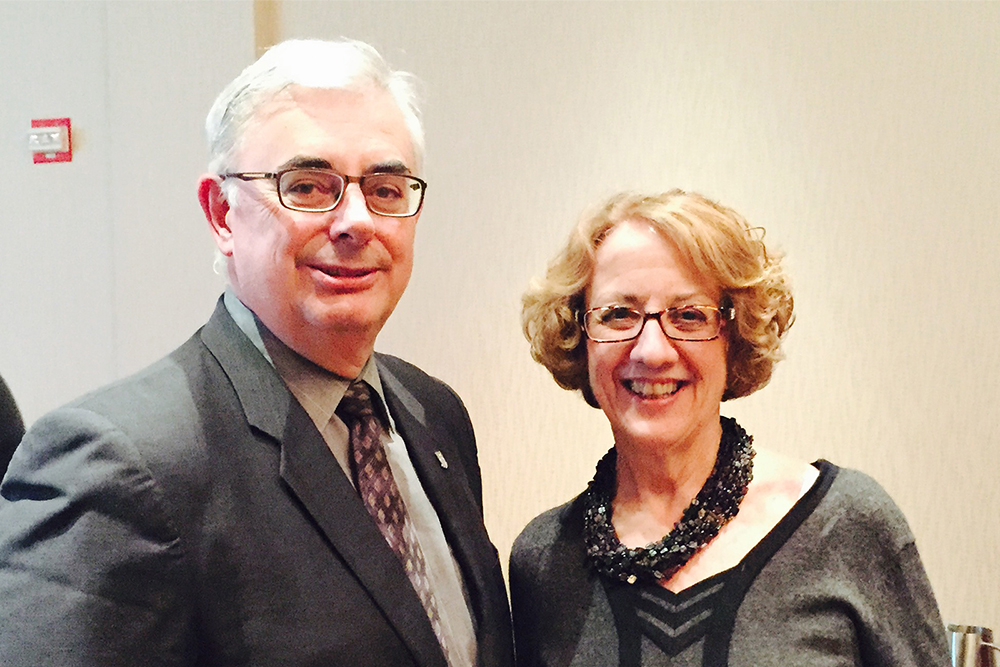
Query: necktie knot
[{"x": 356, "y": 404}]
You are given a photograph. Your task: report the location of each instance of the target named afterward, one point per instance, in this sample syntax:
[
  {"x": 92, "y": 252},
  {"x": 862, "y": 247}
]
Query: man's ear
[{"x": 216, "y": 208}]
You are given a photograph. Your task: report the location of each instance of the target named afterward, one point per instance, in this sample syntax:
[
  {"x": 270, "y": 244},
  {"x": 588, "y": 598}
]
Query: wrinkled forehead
[{"x": 347, "y": 127}]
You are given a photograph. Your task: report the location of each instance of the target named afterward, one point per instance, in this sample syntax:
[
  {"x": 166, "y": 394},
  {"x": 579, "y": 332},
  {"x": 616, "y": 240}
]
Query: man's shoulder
[
  {"x": 403, "y": 370},
  {"x": 154, "y": 387},
  {"x": 162, "y": 419},
  {"x": 189, "y": 375},
  {"x": 161, "y": 403},
  {"x": 154, "y": 404},
  {"x": 407, "y": 381}
]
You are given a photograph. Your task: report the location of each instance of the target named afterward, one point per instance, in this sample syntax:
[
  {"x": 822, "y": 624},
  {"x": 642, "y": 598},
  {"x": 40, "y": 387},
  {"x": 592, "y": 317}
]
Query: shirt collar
[{"x": 318, "y": 390}]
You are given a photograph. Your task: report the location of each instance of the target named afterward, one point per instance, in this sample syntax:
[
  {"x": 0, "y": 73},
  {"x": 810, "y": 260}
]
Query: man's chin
[{"x": 345, "y": 321}]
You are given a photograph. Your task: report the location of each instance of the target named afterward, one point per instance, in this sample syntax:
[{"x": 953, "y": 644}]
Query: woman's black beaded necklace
[{"x": 714, "y": 506}]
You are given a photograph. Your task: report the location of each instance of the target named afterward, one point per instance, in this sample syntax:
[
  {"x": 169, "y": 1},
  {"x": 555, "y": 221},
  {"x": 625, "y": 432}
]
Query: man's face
[{"x": 311, "y": 275}]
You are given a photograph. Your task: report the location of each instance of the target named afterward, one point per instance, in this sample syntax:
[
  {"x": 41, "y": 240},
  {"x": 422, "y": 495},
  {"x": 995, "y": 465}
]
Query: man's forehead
[{"x": 309, "y": 127}]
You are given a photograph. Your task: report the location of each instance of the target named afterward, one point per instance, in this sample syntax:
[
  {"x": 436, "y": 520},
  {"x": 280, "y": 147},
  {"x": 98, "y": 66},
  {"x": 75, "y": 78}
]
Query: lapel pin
[{"x": 441, "y": 459}]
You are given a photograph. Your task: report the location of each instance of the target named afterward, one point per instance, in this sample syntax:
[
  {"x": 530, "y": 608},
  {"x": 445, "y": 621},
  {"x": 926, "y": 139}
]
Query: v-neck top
[{"x": 837, "y": 582}]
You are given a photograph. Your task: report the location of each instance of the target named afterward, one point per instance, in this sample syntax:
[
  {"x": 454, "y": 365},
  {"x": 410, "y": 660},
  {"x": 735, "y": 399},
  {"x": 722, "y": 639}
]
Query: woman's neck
[{"x": 656, "y": 483}]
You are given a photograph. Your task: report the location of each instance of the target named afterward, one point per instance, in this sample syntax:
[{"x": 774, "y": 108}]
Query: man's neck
[{"x": 344, "y": 354}]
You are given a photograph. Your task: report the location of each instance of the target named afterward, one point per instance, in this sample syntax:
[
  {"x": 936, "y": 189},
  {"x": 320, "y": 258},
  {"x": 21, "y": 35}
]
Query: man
[{"x": 273, "y": 492}]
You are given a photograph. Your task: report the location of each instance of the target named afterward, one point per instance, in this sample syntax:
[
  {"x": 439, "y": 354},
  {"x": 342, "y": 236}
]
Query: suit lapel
[
  {"x": 446, "y": 487},
  {"x": 262, "y": 394},
  {"x": 319, "y": 483}
]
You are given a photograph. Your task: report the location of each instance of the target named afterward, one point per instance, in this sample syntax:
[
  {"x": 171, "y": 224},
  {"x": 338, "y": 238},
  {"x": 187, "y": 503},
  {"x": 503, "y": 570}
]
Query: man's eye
[
  {"x": 301, "y": 188},
  {"x": 385, "y": 191},
  {"x": 307, "y": 187},
  {"x": 384, "y": 187}
]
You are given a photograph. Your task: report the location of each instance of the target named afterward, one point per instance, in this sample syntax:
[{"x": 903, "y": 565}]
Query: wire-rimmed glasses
[
  {"x": 615, "y": 324},
  {"x": 320, "y": 190}
]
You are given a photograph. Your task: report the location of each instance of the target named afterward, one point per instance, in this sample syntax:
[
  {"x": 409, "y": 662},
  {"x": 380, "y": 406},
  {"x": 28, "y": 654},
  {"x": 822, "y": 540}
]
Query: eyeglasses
[
  {"x": 614, "y": 324},
  {"x": 320, "y": 190}
]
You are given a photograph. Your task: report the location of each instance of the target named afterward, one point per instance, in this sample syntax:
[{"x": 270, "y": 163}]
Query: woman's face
[{"x": 654, "y": 390}]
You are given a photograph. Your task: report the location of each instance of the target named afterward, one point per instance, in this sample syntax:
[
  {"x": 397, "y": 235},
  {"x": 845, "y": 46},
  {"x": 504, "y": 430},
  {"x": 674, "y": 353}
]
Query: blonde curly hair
[{"x": 720, "y": 245}]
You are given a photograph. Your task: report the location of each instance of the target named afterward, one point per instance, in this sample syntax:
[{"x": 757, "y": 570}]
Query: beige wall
[{"x": 862, "y": 136}]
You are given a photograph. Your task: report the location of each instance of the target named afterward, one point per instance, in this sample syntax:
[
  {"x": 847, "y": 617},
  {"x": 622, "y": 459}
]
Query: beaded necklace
[{"x": 716, "y": 504}]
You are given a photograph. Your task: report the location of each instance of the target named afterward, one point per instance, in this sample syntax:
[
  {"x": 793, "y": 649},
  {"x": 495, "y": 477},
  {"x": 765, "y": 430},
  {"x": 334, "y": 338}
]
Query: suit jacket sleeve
[
  {"x": 193, "y": 515},
  {"x": 89, "y": 565}
]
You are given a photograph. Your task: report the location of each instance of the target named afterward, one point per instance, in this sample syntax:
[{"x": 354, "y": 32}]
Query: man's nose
[
  {"x": 652, "y": 347},
  {"x": 351, "y": 221}
]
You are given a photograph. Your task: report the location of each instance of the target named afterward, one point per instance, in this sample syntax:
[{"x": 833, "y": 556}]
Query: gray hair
[{"x": 310, "y": 63}]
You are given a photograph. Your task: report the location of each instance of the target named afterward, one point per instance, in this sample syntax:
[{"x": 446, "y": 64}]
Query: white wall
[
  {"x": 57, "y": 315},
  {"x": 862, "y": 136},
  {"x": 105, "y": 262}
]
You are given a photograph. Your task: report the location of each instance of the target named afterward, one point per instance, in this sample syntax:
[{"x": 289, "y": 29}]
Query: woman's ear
[{"x": 216, "y": 208}]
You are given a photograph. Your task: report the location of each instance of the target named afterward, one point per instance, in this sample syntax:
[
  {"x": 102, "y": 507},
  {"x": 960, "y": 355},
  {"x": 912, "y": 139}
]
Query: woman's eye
[
  {"x": 618, "y": 316},
  {"x": 688, "y": 318}
]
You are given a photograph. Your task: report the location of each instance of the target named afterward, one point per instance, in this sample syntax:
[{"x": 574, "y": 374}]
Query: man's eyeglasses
[
  {"x": 320, "y": 190},
  {"x": 614, "y": 324}
]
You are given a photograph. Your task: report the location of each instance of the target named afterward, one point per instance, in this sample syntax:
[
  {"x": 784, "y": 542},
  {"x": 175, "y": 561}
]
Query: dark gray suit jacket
[
  {"x": 11, "y": 426},
  {"x": 193, "y": 515}
]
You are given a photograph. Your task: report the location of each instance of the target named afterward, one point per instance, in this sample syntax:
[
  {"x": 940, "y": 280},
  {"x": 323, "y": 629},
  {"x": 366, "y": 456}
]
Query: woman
[{"x": 691, "y": 547}]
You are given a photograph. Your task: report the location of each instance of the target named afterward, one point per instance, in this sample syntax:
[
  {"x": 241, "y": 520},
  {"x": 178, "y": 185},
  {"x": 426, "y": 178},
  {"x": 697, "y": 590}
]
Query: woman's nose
[{"x": 652, "y": 347}]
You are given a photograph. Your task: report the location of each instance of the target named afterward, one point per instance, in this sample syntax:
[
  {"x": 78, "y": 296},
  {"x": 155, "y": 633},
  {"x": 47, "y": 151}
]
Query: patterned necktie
[{"x": 381, "y": 497}]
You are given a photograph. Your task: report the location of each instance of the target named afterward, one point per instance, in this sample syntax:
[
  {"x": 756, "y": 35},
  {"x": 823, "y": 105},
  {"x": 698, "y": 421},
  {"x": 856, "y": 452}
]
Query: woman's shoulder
[
  {"x": 839, "y": 490},
  {"x": 549, "y": 535},
  {"x": 857, "y": 496}
]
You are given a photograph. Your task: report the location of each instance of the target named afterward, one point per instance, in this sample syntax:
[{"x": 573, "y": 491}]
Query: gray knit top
[{"x": 838, "y": 582}]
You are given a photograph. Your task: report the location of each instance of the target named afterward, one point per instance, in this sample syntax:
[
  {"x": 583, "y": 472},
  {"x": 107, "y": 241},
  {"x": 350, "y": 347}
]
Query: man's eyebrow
[
  {"x": 312, "y": 162},
  {"x": 388, "y": 167},
  {"x": 305, "y": 162}
]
